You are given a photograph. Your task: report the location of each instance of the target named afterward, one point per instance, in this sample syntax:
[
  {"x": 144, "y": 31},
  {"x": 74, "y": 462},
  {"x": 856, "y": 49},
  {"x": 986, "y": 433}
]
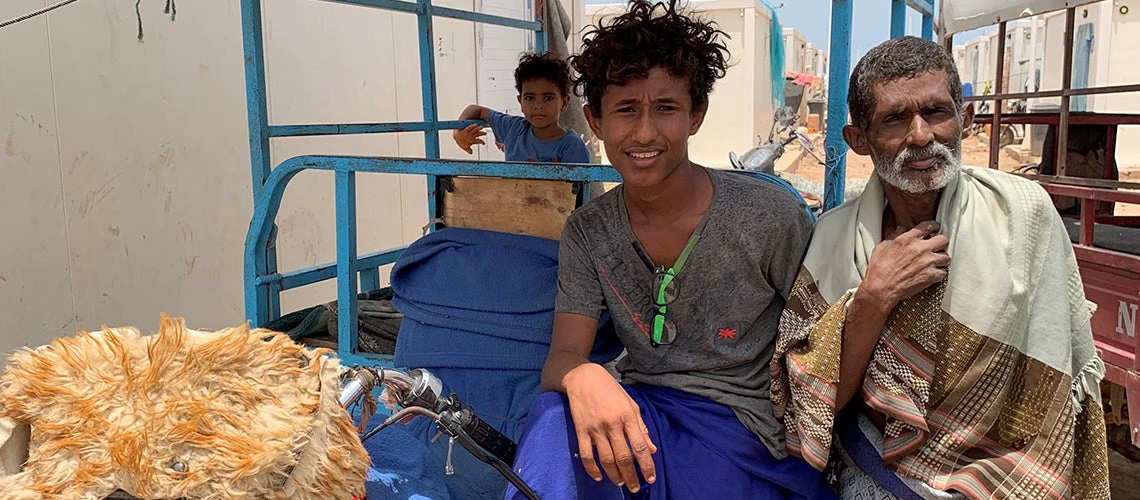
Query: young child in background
[{"x": 543, "y": 84}]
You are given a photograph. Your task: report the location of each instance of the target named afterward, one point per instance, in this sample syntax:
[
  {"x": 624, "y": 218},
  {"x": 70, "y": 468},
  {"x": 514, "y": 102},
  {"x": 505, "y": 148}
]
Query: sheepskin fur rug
[{"x": 237, "y": 413}]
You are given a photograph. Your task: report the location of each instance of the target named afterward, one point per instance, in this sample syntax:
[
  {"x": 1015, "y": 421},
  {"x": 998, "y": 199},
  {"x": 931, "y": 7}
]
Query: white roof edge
[{"x": 956, "y": 16}]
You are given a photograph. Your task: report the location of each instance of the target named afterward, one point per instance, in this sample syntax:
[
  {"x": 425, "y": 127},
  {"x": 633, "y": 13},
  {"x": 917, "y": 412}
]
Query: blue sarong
[{"x": 703, "y": 451}]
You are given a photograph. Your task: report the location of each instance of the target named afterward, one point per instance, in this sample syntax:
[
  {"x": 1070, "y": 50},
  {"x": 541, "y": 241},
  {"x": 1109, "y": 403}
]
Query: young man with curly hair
[
  {"x": 694, "y": 266},
  {"x": 543, "y": 84}
]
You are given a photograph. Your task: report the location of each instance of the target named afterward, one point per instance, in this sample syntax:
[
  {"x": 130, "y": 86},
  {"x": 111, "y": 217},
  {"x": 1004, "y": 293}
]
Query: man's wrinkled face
[{"x": 915, "y": 133}]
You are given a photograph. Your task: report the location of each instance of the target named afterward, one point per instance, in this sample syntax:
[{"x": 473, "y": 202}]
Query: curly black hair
[
  {"x": 546, "y": 66},
  {"x": 650, "y": 35}
]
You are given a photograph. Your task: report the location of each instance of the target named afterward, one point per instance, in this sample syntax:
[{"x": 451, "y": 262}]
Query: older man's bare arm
[{"x": 900, "y": 267}]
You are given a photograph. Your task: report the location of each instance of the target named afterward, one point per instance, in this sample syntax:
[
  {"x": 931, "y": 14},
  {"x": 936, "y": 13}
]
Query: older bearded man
[{"x": 937, "y": 337}]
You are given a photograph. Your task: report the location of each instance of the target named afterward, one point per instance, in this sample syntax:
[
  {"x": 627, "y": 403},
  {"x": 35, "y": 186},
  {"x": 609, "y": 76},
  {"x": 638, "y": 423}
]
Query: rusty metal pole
[
  {"x": 1066, "y": 98},
  {"x": 995, "y": 129}
]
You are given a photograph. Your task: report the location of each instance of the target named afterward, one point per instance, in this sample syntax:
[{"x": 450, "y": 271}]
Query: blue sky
[{"x": 872, "y": 19}]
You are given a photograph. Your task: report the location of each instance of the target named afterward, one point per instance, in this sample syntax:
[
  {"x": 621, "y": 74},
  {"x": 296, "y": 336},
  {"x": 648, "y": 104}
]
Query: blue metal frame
[
  {"x": 263, "y": 283},
  {"x": 261, "y": 280},
  {"x": 839, "y": 74},
  {"x": 898, "y": 18}
]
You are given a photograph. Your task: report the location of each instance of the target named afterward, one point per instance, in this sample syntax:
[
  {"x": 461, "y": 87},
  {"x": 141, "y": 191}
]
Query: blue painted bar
[
  {"x": 256, "y": 107},
  {"x": 316, "y": 274},
  {"x": 381, "y": 4},
  {"x": 263, "y": 283},
  {"x": 258, "y": 300},
  {"x": 928, "y": 27},
  {"x": 898, "y": 18},
  {"x": 839, "y": 74},
  {"x": 346, "y": 290},
  {"x": 261, "y": 225},
  {"x": 381, "y": 258},
  {"x": 274, "y": 290},
  {"x": 364, "y": 128},
  {"x": 466, "y": 15},
  {"x": 370, "y": 279},
  {"x": 258, "y": 278},
  {"x": 540, "y": 42},
  {"x": 366, "y": 359},
  {"x": 540, "y": 45},
  {"x": 480, "y": 17},
  {"x": 428, "y": 78},
  {"x": 256, "y": 295},
  {"x": 924, "y": 7},
  {"x": 431, "y": 109}
]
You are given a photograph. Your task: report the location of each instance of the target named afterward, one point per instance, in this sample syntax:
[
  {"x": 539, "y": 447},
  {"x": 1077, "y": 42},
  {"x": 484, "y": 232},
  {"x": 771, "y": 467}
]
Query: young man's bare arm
[
  {"x": 605, "y": 418},
  {"x": 569, "y": 348}
]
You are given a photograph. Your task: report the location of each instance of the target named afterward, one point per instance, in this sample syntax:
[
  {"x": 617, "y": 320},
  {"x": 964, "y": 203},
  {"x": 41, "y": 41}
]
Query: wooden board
[{"x": 532, "y": 207}]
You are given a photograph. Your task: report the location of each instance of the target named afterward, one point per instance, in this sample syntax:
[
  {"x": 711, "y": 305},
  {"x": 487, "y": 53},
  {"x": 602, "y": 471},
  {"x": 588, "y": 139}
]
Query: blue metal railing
[
  {"x": 263, "y": 282},
  {"x": 839, "y": 74}
]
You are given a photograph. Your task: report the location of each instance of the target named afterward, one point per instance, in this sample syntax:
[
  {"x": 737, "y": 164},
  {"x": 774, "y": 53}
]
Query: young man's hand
[
  {"x": 468, "y": 137},
  {"x": 606, "y": 418}
]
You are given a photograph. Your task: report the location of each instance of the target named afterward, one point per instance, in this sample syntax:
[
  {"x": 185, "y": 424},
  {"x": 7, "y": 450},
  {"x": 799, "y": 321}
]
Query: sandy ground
[{"x": 1123, "y": 476}]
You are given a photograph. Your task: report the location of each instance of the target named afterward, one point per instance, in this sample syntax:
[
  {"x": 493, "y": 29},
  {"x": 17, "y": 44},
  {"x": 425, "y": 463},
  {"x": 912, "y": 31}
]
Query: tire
[{"x": 1007, "y": 137}]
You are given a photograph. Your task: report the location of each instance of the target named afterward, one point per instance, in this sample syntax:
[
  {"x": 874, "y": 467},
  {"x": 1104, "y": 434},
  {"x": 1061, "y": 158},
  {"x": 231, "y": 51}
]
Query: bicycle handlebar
[{"x": 420, "y": 389}]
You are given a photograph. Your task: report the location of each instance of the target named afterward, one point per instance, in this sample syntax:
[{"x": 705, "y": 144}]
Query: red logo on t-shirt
[{"x": 726, "y": 333}]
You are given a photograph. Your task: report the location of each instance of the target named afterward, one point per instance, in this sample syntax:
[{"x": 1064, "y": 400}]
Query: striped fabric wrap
[{"x": 988, "y": 381}]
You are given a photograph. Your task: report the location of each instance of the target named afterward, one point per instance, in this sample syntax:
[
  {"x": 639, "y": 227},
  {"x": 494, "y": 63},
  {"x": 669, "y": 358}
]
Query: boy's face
[
  {"x": 542, "y": 103},
  {"x": 645, "y": 125}
]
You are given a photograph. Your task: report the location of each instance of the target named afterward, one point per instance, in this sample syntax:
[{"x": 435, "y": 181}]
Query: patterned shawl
[{"x": 989, "y": 381}]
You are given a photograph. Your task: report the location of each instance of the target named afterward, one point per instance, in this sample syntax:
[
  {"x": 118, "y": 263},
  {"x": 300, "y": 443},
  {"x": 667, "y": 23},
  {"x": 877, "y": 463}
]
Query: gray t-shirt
[{"x": 730, "y": 294}]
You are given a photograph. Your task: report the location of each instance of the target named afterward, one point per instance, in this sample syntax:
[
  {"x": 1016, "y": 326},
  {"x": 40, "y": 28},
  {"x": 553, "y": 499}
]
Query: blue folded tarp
[{"x": 478, "y": 310}]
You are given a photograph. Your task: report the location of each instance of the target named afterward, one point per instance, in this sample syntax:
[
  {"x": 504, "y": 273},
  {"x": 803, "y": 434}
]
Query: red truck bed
[{"x": 1109, "y": 260}]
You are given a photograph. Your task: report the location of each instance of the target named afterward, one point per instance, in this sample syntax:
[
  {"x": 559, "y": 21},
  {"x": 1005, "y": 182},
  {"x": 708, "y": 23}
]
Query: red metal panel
[
  {"x": 1112, "y": 281},
  {"x": 1132, "y": 389},
  {"x": 1055, "y": 118},
  {"x": 1117, "y": 296},
  {"x": 1120, "y": 220},
  {"x": 1092, "y": 193},
  {"x": 1110, "y": 159},
  {"x": 1117, "y": 261},
  {"x": 1109, "y": 164},
  {"x": 1130, "y": 381},
  {"x": 1113, "y": 373},
  {"x": 1088, "y": 222},
  {"x": 995, "y": 129}
]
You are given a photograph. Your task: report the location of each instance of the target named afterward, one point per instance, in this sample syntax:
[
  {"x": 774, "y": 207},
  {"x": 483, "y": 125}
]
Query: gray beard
[{"x": 947, "y": 156}]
